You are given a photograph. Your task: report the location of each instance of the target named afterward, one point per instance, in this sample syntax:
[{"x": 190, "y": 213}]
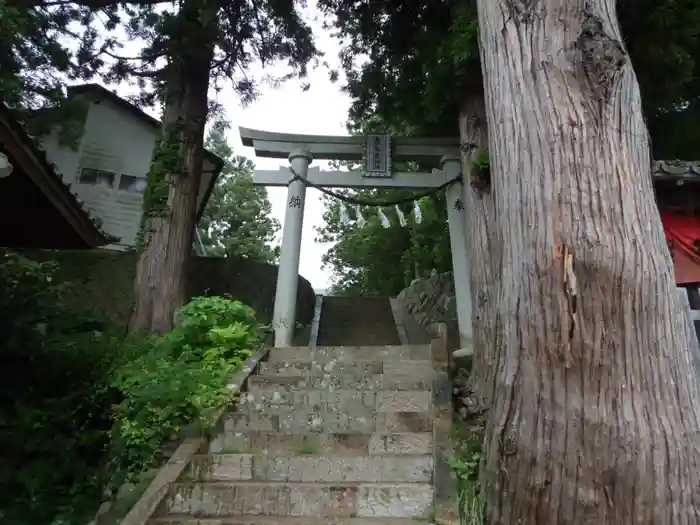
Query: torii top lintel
[{"x": 330, "y": 147}]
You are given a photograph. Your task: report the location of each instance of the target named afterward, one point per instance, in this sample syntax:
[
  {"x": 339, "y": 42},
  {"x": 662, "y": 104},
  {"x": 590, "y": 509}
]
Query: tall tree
[
  {"x": 42, "y": 47},
  {"x": 415, "y": 65},
  {"x": 187, "y": 45},
  {"x": 595, "y": 416},
  {"x": 201, "y": 40},
  {"x": 237, "y": 220}
]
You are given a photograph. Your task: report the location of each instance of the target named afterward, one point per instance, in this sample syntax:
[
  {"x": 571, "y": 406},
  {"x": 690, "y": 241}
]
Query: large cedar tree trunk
[
  {"x": 594, "y": 418},
  {"x": 484, "y": 252},
  {"x": 168, "y": 232}
]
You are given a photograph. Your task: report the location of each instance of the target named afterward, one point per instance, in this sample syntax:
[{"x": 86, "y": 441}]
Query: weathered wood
[{"x": 595, "y": 415}]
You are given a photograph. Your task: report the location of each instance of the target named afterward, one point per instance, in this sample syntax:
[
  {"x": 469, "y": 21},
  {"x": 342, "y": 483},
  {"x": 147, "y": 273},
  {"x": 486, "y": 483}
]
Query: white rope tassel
[
  {"x": 344, "y": 219},
  {"x": 360, "y": 219},
  {"x": 402, "y": 218},
  {"x": 384, "y": 219},
  {"x": 417, "y": 213}
]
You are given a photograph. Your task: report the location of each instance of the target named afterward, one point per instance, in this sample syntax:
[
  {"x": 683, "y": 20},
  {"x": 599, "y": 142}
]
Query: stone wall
[
  {"x": 104, "y": 283},
  {"x": 431, "y": 300}
]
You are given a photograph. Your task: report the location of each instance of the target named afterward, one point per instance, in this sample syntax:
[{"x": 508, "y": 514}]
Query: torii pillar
[
  {"x": 284, "y": 316},
  {"x": 458, "y": 222}
]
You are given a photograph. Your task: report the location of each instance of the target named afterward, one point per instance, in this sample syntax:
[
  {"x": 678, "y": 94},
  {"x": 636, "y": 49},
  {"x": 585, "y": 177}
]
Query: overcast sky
[{"x": 322, "y": 110}]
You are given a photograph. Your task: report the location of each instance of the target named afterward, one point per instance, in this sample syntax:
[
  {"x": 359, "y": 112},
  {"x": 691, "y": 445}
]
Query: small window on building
[
  {"x": 132, "y": 184},
  {"x": 97, "y": 177}
]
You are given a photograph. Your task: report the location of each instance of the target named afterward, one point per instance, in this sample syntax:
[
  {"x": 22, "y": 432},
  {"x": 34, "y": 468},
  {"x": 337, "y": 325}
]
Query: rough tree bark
[
  {"x": 595, "y": 417},
  {"x": 484, "y": 251},
  {"x": 174, "y": 182}
]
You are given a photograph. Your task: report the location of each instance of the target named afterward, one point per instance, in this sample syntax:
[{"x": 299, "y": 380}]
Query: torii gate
[{"x": 377, "y": 152}]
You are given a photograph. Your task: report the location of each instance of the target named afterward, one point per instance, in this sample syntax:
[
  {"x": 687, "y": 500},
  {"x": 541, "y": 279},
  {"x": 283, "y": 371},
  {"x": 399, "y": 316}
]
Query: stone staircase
[
  {"x": 357, "y": 321},
  {"x": 331, "y": 435}
]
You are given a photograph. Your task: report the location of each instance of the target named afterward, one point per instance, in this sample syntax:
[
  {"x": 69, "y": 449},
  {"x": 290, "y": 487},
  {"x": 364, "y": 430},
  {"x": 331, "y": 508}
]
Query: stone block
[
  {"x": 316, "y": 444},
  {"x": 404, "y": 401},
  {"x": 344, "y": 500},
  {"x": 353, "y": 402},
  {"x": 417, "y": 369},
  {"x": 400, "y": 422},
  {"x": 403, "y": 443},
  {"x": 305, "y": 369},
  {"x": 262, "y": 520},
  {"x": 395, "y": 501},
  {"x": 267, "y": 384},
  {"x": 358, "y": 469},
  {"x": 222, "y": 467},
  {"x": 348, "y": 354}
]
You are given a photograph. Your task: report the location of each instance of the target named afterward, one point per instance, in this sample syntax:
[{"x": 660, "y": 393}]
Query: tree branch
[{"x": 92, "y": 4}]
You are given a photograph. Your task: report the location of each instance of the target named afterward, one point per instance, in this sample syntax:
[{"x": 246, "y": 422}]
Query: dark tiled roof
[{"x": 89, "y": 221}]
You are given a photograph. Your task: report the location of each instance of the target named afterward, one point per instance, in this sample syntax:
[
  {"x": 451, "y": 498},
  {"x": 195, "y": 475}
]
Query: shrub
[
  {"x": 178, "y": 378},
  {"x": 54, "y": 426},
  {"x": 83, "y": 409}
]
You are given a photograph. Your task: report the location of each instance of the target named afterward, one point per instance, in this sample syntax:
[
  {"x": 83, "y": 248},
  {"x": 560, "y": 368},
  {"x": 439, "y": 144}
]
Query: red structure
[{"x": 677, "y": 187}]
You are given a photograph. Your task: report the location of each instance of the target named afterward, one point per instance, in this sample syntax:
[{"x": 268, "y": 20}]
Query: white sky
[{"x": 322, "y": 110}]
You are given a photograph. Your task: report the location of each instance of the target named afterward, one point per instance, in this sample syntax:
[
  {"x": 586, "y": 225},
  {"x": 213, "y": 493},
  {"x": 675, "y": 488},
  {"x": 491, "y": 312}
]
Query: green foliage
[
  {"x": 237, "y": 218},
  {"x": 83, "y": 409},
  {"x": 167, "y": 382},
  {"x": 481, "y": 160},
  {"x": 53, "y": 424},
  {"x": 42, "y": 47},
  {"x": 240, "y": 33},
  {"x": 465, "y": 467},
  {"x": 166, "y": 163},
  {"x": 411, "y": 64},
  {"x": 377, "y": 261}
]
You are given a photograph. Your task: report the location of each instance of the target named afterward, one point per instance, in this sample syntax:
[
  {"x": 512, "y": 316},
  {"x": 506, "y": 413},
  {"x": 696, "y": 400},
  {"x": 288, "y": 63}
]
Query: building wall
[{"x": 108, "y": 169}]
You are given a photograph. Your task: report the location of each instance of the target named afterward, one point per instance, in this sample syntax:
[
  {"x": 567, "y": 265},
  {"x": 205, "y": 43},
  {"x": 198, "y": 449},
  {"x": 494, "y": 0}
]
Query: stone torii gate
[{"x": 377, "y": 153}]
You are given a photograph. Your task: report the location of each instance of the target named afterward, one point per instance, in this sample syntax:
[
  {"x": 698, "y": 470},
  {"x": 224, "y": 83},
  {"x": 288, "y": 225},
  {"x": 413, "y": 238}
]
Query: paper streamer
[
  {"x": 344, "y": 214},
  {"x": 402, "y": 218},
  {"x": 384, "y": 219},
  {"x": 360, "y": 219},
  {"x": 417, "y": 213}
]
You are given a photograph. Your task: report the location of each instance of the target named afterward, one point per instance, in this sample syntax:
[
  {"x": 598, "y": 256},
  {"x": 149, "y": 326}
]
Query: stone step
[
  {"x": 350, "y": 401},
  {"x": 328, "y": 445},
  {"x": 413, "y": 369},
  {"x": 299, "y": 469},
  {"x": 372, "y": 322},
  {"x": 327, "y": 354},
  {"x": 316, "y": 500},
  {"x": 286, "y": 383},
  {"x": 279, "y": 520},
  {"x": 334, "y": 422}
]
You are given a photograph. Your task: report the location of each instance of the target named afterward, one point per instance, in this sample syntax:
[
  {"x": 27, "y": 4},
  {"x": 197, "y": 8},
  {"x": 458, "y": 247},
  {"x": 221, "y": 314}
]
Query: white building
[{"x": 108, "y": 168}]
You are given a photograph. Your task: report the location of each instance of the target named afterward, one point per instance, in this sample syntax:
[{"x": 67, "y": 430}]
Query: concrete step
[
  {"x": 299, "y": 469},
  {"x": 333, "y": 422},
  {"x": 328, "y": 354},
  {"x": 328, "y": 445},
  {"x": 330, "y": 382},
  {"x": 372, "y": 321},
  {"x": 416, "y": 369},
  {"x": 350, "y": 401},
  {"x": 279, "y": 520},
  {"x": 316, "y": 500}
]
